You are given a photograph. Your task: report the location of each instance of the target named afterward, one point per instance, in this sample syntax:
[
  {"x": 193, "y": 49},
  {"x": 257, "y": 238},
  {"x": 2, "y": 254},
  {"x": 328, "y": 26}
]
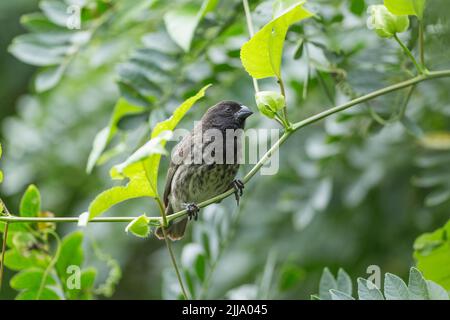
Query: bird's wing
[{"x": 182, "y": 151}]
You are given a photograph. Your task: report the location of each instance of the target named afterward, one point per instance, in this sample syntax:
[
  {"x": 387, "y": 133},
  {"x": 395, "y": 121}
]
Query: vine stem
[
  {"x": 296, "y": 126},
  {"x": 2, "y": 258},
  {"x": 421, "y": 43},
  {"x": 164, "y": 223},
  {"x": 419, "y": 68},
  {"x": 51, "y": 264}
]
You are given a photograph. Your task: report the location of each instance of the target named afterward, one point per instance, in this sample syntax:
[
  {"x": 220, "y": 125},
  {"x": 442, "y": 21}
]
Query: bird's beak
[{"x": 244, "y": 113}]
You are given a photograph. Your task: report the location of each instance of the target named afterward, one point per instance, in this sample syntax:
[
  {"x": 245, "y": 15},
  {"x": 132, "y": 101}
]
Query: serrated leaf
[
  {"x": 327, "y": 282},
  {"x": 30, "y": 205},
  {"x": 122, "y": 108},
  {"x": 154, "y": 146},
  {"x": 417, "y": 285},
  {"x": 406, "y": 7},
  {"x": 182, "y": 22},
  {"x": 395, "y": 288},
  {"x": 344, "y": 282},
  {"x": 367, "y": 290},
  {"x": 261, "y": 55},
  {"x": 339, "y": 295},
  {"x": 143, "y": 176},
  {"x": 139, "y": 226}
]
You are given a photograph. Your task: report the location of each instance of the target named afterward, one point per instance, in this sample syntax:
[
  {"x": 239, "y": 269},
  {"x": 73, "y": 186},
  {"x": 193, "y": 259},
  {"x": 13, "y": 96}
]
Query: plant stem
[
  {"x": 419, "y": 68},
  {"x": 251, "y": 32},
  {"x": 283, "y": 93},
  {"x": 421, "y": 43},
  {"x": 164, "y": 224},
  {"x": 2, "y": 258},
  {"x": 174, "y": 263},
  {"x": 296, "y": 126},
  {"x": 50, "y": 265}
]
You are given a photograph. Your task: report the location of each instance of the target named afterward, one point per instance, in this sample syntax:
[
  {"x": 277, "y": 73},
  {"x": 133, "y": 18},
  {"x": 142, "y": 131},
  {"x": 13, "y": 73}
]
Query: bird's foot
[
  {"x": 192, "y": 211},
  {"x": 238, "y": 187}
]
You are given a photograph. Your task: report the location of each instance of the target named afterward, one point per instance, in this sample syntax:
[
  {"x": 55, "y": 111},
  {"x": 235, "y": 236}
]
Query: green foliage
[
  {"x": 182, "y": 22},
  {"x": 139, "y": 227},
  {"x": 351, "y": 172},
  {"x": 122, "y": 109},
  {"x": 432, "y": 253},
  {"x": 406, "y": 7},
  {"x": 269, "y": 103},
  {"x": 142, "y": 167},
  {"x": 50, "y": 43},
  {"x": 386, "y": 24},
  {"x": 30, "y": 205},
  {"x": 46, "y": 271},
  {"x": 261, "y": 55},
  {"x": 394, "y": 288}
]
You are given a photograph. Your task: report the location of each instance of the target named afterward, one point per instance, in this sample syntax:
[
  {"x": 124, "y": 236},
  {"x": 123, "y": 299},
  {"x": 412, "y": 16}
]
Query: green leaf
[
  {"x": 30, "y": 205},
  {"x": 406, "y": 7},
  {"x": 88, "y": 276},
  {"x": 16, "y": 261},
  {"x": 344, "y": 282},
  {"x": 417, "y": 285},
  {"x": 122, "y": 108},
  {"x": 46, "y": 294},
  {"x": 38, "y": 22},
  {"x": 327, "y": 282},
  {"x": 432, "y": 253},
  {"x": 142, "y": 176},
  {"x": 436, "y": 292},
  {"x": 139, "y": 226},
  {"x": 182, "y": 22},
  {"x": 30, "y": 279},
  {"x": 71, "y": 253},
  {"x": 154, "y": 146},
  {"x": 367, "y": 290},
  {"x": 48, "y": 78},
  {"x": 395, "y": 288},
  {"x": 261, "y": 55},
  {"x": 56, "y": 11},
  {"x": 338, "y": 295},
  {"x": 36, "y": 54}
]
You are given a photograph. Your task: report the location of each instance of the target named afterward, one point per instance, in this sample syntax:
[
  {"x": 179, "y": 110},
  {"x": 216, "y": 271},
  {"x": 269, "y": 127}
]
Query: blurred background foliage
[{"x": 354, "y": 190}]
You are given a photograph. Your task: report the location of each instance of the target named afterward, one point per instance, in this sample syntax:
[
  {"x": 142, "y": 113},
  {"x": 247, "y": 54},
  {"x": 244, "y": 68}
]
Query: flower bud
[
  {"x": 385, "y": 23},
  {"x": 269, "y": 102}
]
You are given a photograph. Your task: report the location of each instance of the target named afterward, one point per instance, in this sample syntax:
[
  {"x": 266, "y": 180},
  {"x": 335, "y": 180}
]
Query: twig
[{"x": 296, "y": 126}]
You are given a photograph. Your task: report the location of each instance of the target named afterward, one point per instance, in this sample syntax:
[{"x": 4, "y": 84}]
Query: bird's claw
[
  {"x": 192, "y": 211},
  {"x": 238, "y": 186}
]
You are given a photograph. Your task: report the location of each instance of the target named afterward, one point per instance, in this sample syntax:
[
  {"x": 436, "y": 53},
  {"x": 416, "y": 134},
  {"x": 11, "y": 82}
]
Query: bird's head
[{"x": 226, "y": 115}]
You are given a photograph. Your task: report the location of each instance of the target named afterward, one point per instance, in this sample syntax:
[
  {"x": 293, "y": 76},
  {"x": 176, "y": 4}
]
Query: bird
[{"x": 202, "y": 166}]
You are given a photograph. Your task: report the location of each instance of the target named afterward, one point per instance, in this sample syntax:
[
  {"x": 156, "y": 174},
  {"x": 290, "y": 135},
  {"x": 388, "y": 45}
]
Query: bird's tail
[{"x": 176, "y": 229}]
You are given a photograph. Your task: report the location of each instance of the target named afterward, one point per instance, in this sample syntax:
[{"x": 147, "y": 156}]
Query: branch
[{"x": 261, "y": 162}]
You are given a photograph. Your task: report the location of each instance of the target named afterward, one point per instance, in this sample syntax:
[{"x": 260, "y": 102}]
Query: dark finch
[{"x": 191, "y": 181}]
